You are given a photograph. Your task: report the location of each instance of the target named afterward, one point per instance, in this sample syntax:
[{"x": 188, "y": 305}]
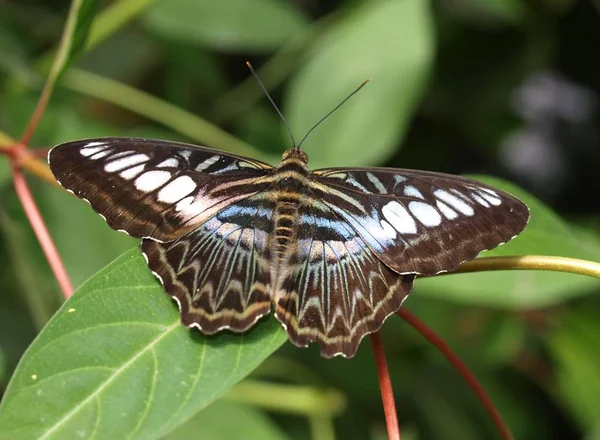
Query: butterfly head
[{"x": 296, "y": 155}]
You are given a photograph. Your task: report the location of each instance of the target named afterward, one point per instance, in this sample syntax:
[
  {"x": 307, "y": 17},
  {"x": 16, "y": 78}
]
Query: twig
[
  {"x": 531, "y": 262},
  {"x": 39, "y": 227},
  {"x": 462, "y": 369},
  {"x": 385, "y": 385}
]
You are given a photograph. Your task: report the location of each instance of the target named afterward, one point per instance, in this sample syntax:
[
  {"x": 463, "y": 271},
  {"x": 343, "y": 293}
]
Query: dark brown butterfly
[{"x": 334, "y": 251}]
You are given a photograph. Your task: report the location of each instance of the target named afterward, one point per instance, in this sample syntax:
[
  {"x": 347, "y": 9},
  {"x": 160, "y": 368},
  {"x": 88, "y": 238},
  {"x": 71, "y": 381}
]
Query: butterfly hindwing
[
  {"x": 151, "y": 188},
  {"x": 218, "y": 273},
  {"x": 421, "y": 222},
  {"x": 337, "y": 290}
]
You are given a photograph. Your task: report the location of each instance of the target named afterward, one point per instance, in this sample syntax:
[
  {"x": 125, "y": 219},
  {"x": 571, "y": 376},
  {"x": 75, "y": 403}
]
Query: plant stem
[
  {"x": 531, "y": 262},
  {"x": 321, "y": 428},
  {"x": 156, "y": 109},
  {"x": 462, "y": 369},
  {"x": 304, "y": 400},
  {"x": 385, "y": 386},
  {"x": 60, "y": 61},
  {"x": 41, "y": 232}
]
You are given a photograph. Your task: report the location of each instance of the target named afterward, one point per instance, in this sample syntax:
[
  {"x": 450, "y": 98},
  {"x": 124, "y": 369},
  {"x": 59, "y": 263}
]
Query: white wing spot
[
  {"x": 376, "y": 183},
  {"x": 101, "y": 154},
  {"x": 170, "y": 162},
  {"x": 412, "y": 191},
  {"x": 208, "y": 162},
  {"x": 454, "y": 202},
  {"x": 387, "y": 228},
  {"x": 184, "y": 203},
  {"x": 151, "y": 180},
  {"x": 190, "y": 210},
  {"x": 489, "y": 191},
  {"x": 352, "y": 181},
  {"x": 399, "y": 218},
  {"x": 176, "y": 190},
  {"x": 445, "y": 209},
  {"x": 490, "y": 196},
  {"x": 90, "y": 149},
  {"x": 130, "y": 173},
  {"x": 479, "y": 199},
  {"x": 126, "y": 162},
  {"x": 425, "y": 213}
]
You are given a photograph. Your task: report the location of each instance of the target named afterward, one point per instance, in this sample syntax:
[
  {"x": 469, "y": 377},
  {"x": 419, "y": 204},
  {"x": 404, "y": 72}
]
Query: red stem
[
  {"x": 462, "y": 369},
  {"x": 39, "y": 227},
  {"x": 385, "y": 385}
]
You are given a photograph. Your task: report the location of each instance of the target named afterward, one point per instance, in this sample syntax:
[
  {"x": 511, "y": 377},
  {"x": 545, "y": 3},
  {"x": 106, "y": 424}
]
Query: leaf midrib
[{"x": 107, "y": 382}]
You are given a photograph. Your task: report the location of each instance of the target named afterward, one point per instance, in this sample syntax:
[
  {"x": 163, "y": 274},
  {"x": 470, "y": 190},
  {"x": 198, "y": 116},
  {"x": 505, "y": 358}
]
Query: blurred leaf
[
  {"x": 115, "y": 362},
  {"x": 5, "y": 175},
  {"x": 507, "y": 337},
  {"x": 573, "y": 345},
  {"x": 14, "y": 58},
  {"x": 224, "y": 420},
  {"x": 482, "y": 12},
  {"x": 546, "y": 234},
  {"x": 72, "y": 42},
  {"x": 235, "y": 25},
  {"x": 86, "y": 243},
  {"x": 29, "y": 268},
  {"x": 512, "y": 11},
  {"x": 390, "y": 42},
  {"x": 2, "y": 366}
]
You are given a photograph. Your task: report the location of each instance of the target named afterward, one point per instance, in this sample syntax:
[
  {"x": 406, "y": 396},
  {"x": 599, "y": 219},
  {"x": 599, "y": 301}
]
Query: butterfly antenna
[
  {"x": 336, "y": 107},
  {"x": 264, "y": 89}
]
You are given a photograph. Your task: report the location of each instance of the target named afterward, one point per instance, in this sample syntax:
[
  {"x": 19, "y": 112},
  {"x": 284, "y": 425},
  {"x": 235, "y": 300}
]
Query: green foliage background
[{"x": 113, "y": 361}]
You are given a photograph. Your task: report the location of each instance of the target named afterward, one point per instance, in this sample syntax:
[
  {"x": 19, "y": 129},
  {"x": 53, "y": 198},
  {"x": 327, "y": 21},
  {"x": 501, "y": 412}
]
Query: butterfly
[{"x": 333, "y": 251}]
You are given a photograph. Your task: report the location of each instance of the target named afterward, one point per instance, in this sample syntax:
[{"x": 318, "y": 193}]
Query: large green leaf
[
  {"x": 241, "y": 25},
  {"x": 2, "y": 366},
  {"x": 115, "y": 362},
  {"x": 573, "y": 345},
  {"x": 216, "y": 423},
  {"x": 390, "y": 42},
  {"x": 546, "y": 234}
]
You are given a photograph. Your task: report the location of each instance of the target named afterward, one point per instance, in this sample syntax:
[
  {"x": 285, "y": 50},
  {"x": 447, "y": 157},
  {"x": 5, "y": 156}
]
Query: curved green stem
[
  {"x": 156, "y": 109},
  {"x": 531, "y": 262},
  {"x": 303, "y": 400}
]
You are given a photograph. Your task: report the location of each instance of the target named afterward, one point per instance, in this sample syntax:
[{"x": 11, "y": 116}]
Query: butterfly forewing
[
  {"x": 155, "y": 189},
  {"x": 421, "y": 222}
]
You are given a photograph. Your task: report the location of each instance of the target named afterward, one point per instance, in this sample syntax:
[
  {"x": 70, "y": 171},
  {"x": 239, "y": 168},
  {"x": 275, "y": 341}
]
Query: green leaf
[
  {"x": 115, "y": 362},
  {"x": 231, "y": 25},
  {"x": 27, "y": 269},
  {"x": 2, "y": 366},
  {"x": 389, "y": 41},
  {"x": 13, "y": 55},
  {"x": 5, "y": 174},
  {"x": 573, "y": 345},
  {"x": 546, "y": 234},
  {"x": 72, "y": 43},
  {"x": 486, "y": 13},
  {"x": 215, "y": 423},
  {"x": 85, "y": 242}
]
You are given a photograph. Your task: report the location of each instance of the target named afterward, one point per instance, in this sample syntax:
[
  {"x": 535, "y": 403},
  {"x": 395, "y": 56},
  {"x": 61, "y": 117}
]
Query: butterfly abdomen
[{"x": 290, "y": 183}]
